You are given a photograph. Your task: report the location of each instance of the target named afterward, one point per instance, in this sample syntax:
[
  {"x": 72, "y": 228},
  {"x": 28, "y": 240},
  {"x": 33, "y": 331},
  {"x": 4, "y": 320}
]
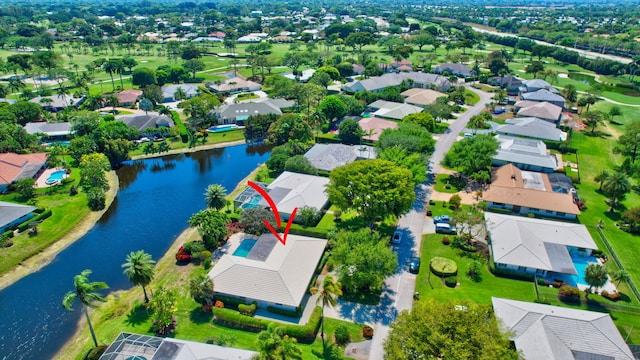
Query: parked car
[
  {"x": 414, "y": 265},
  {"x": 396, "y": 239},
  {"x": 444, "y": 228},
  {"x": 441, "y": 219},
  {"x": 499, "y": 111}
]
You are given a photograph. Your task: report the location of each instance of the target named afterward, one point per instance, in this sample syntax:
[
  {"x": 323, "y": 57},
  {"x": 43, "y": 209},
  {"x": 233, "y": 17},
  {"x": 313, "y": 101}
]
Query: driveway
[{"x": 399, "y": 288}]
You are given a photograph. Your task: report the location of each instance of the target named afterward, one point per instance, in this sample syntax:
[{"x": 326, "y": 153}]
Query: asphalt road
[{"x": 399, "y": 288}]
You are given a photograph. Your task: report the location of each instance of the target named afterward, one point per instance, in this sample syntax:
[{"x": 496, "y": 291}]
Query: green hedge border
[
  {"x": 184, "y": 135},
  {"x": 305, "y": 334},
  {"x": 25, "y": 225}
]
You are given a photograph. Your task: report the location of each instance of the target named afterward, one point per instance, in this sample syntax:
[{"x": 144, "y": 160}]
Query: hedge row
[
  {"x": 512, "y": 274},
  {"x": 8, "y": 234},
  {"x": 280, "y": 311},
  {"x": 184, "y": 135},
  {"x": 229, "y": 301},
  {"x": 304, "y": 333},
  {"x": 312, "y": 232},
  {"x": 25, "y": 225},
  {"x": 248, "y": 310},
  {"x": 561, "y": 146}
]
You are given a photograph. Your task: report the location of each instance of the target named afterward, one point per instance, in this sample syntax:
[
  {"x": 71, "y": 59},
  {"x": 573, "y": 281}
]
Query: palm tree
[
  {"x": 87, "y": 293},
  {"x": 616, "y": 186},
  {"x": 328, "y": 294},
  {"x": 139, "y": 270},
  {"x": 215, "y": 196},
  {"x": 179, "y": 94},
  {"x": 595, "y": 275},
  {"x": 110, "y": 68},
  {"x": 274, "y": 345},
  {"x": 601, "y": 178},
  {"x": 112, "y": 101},
  {"x": 621, "y": 276}
]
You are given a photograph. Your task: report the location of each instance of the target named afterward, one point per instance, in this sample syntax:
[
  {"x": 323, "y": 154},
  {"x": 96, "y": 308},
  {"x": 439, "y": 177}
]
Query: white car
[{"x": 397, "y": 238}]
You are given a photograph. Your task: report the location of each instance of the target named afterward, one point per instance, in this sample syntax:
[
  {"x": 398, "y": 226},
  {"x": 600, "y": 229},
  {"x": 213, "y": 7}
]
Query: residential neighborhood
[{"x": 319, "y": 181}]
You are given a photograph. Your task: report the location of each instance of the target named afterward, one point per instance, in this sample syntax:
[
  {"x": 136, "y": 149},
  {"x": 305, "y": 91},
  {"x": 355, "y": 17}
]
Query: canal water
[{"x": 156, "y": 198}]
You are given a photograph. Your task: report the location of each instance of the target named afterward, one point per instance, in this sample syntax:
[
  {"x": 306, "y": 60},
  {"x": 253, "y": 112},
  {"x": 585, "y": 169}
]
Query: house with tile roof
[
  {"x": 456, "y": 69},
  {"x": 128, "y": 97},
  {"x": 372, "y": 127},
  {"x": 266, "y": 271},
  {"x": 531, "y": 127},
  {"x": 392, "y": 110},
  {"x": 240, "y": 112},
  {"x": 233, "y": 86},
  {"x": 57, "y": 102},
  {"x": 50, "y": 131},
  {"x": 327, "y": 157},
  {"x": 526, "y": 154},
  {"x": 544, "y": 95},
  {"x": 534, "y": 246},
  {"x": 535, "y": 85},
  {"x": 14, "y": 214},
  {"x": 541, "y": 110},
  {"x": 527, "y": 192},
  {"x": 545, "y": 332},
  {"x": 412, "y": 79},
  {"x": 146, "y": 121},
  {"x": 169, "y": 92},
  {"x": 14, "y": 167},
  {"x": 421, "y": 97}
]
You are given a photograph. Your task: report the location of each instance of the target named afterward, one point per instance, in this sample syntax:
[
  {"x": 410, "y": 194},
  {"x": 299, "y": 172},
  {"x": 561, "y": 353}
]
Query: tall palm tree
[
  {"x": 601, "y": 178},
  {"x": 328, "y": 295},
  {"x": 179, "y": 94},
  {"x": 110, "y": 67},
  {"x": 87, "y": 293},
  {"x": 616, "y": 186},
  {"x": 621, "y": 276},
  {"x": 139, "y": 270},
  {"x": 215, "y": 196},
  {"x": 595, "y": 275}
]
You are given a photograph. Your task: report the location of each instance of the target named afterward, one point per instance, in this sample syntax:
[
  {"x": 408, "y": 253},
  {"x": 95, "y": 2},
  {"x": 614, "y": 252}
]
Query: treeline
[{"x": 599, "y": 66}]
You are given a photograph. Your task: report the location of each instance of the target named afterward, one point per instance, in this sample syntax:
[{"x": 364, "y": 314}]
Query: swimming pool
[
  {"x": 253, "y": 202},
  {"x": 581, "y": 263},
  {"x": 55, "y": 177},
  {"x": 222, "y": 128},
  {"x": 244, "y": 248}
]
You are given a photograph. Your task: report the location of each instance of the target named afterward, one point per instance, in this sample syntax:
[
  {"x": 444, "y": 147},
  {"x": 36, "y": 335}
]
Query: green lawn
[
  {"x": 450, "y": 184},
  {"x": 480, "y": 292},
  {"x": 212, "y": 138},
  {"x": 57, "y": 199}
]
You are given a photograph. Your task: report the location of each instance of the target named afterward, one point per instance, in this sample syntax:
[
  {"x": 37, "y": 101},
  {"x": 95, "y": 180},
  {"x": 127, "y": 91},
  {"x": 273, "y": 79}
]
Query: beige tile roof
[
  {"x": 377, "y": 125},
  {"x": 424, "y": 97},
  {"x": 508, "y": 187},
  {"x": 282, "y": 277}
]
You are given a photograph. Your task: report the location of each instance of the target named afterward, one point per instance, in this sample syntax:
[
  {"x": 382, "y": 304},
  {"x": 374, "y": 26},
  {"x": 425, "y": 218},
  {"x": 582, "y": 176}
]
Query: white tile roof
[
  {"x": 536, "y": 243},
  {"x": 299, "y": 190},
  {"x": 524, "y": 151},
  {"x": 283, "y": 276},
  {"x": 550, "y": 332},
  {"x": 330, "y": 156}
]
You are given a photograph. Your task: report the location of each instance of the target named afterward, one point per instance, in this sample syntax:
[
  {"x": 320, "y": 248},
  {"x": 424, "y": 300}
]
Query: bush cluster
[
  {"x": 569, "y": 293},
  {"x": 451, "y": 281},
  {"x": 25, "y": 225},
  {"x": 443, "y": 267},
  {"x": 247, "y": 310},
  {"x": 613, "y": 296}
]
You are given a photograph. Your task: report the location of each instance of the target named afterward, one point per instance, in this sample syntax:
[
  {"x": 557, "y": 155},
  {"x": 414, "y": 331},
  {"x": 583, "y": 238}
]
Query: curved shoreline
[
  {"x": 43, "y": 258},
  {"x": 189, "y": 150}
]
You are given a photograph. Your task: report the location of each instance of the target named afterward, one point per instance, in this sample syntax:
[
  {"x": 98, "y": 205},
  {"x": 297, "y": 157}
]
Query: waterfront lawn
[
  {"x": 212, "y": 138},
  {"x": 125, "y": 311},
  {"x": 60, "y": 223},
  {"x": 481, "y": 292}
]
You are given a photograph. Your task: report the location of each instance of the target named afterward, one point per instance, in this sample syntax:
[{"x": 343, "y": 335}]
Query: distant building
[
  {"x": 240, "y": 112},
  {"x": 232, "y": 86},
  {"x": 56, "y": 103},
  {"x": 146, "y": 121},
  {"x": 456, "y": 69},
  {"x": 13, "y": 214},
  {"x": 169, "y": 92}
]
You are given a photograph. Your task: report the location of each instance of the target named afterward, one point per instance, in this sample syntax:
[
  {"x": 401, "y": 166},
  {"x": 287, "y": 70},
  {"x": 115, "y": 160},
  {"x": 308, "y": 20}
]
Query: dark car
[{"x": 414, "y": 265}]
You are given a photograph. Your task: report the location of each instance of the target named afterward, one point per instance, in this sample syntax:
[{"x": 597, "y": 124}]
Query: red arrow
[{"x": 272, "y": 204}]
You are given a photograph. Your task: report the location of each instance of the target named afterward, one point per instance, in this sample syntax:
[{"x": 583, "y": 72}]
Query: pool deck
[{"x": 41, "y": 181}]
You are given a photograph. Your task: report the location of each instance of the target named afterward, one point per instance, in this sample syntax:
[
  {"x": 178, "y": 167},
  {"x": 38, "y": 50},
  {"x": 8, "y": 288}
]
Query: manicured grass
[
  {"x": 212, "y": 138},
  {"x": 57, "y": 199},
  {"x": 450, "y": 184},
  {"x": 471, "y": 97},
  {"x": 480, "y": 292}
]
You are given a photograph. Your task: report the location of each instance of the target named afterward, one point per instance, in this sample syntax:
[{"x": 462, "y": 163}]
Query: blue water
[
  {"x": 156, "y": 198},
  {"x": 366, "y": 115},
  {"x": 222, "y": 128},
  {"x": 253, "y": 202},
  {"x": 581, "y": 263},
  {"x": 244, "y": 248},
  {"x": 56, "y": 176}
]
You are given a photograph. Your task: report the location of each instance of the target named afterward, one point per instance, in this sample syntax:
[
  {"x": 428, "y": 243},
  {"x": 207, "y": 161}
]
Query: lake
[{"x": 156, "y": 198}]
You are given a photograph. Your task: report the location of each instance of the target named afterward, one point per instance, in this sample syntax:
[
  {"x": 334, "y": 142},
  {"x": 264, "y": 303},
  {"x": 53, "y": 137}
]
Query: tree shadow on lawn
[
  {"x": 615, "y": 215},
  {"x": 199, "y": 316},
  {"x": 330, "y": 352},
  {"x": 597, "y": 133},
  {"x": 138, "y": 315}
]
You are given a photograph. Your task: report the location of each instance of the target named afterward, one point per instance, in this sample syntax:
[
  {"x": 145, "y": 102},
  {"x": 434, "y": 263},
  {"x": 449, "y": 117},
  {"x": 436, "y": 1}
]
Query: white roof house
[
  {"x": 413, "y": 79},
  {"x": 536, "y": 244},
  {"x": 393, "y": 110},
  {"x": 292, "y": 190},
  {"x": 526, "y": 154},
  {"x": 169, "y": 91},
  {"x": 545, "y": 332},
  {"x": 49, "y": 129},
  {"x": 271, "y": 272},
  {"x": 531, "y": 127},
  {"x": 330, "y": 156}
]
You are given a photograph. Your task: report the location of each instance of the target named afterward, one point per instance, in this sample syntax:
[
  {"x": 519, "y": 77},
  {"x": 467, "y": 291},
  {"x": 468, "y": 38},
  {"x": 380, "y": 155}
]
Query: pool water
[
  {"x": 253, "y": 202},
  {"x": 581, "y": 263},
  {"x": 244, "y": 248},
  {"x": 222, "y": 128},
  {"x": 56, "y": 176}
]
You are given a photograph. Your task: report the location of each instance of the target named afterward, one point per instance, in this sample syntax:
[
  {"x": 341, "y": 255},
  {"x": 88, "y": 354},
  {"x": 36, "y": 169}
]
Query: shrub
[
  {"x": 613, "y": 296},
  {"x": 367, "y": 332},
  {"x": 206, "y": 263},
  {"x": 96, "y": 352},
  {"x": 228, "y": 301},
  {"x": 596, "y": 252},
  {"x": 462, "y": 244},
  {"x": 182, "y": 256},
  {"x": 446, "y": 240},
  {"x": 511, "y": 274},
  {"x": 455, "y": 201},
  {"x": 36, "y": 219},
  {"x": 443, "y": 266},
  {"x": 342, "y": 334},
  {"x": 234, "y": 319},
  {"x": 451, "y": 281},
  {"x": 569, "y": 293},
  {"x": 205, "y": 254},
  {"x": 193, "y": 247},
  {"x": 247, "y": 310},
  {"x": 73, "y": 190},
  {"x": 542, "y": 282}
]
